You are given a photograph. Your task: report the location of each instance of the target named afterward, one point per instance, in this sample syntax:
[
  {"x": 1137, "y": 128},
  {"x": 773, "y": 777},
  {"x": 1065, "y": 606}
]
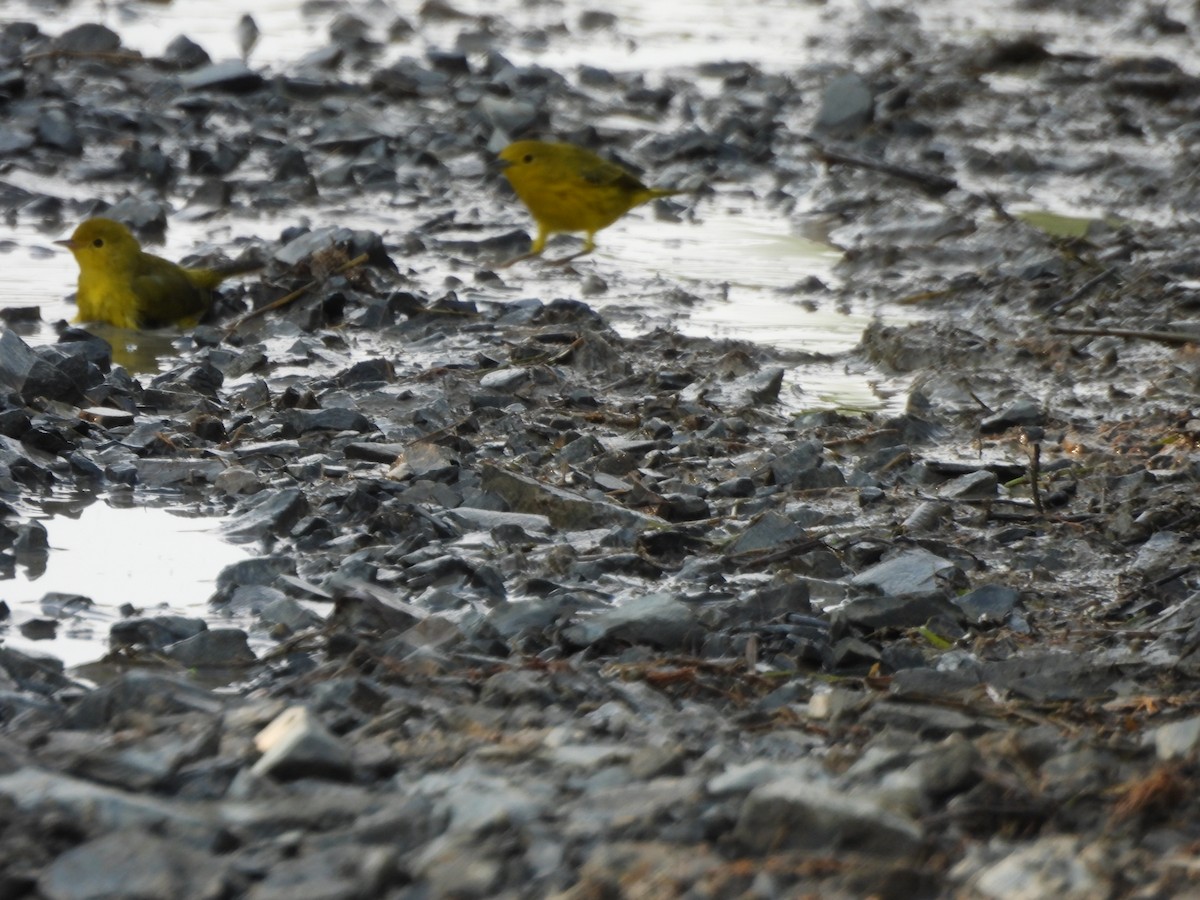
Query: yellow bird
[
  {"x": 123, "y": 285},
  {"x": 568, "y": 188}
]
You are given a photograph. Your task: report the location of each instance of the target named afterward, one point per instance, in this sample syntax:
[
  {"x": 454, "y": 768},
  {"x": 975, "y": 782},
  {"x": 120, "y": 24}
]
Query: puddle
[
  {"x": 738, "y": 257},
  {"x": 149, "y": 27},
  {"x": 152, "y": 558}
]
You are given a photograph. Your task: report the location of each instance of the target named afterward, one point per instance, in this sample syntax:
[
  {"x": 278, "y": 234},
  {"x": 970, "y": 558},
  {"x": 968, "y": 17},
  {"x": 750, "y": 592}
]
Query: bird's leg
[
  {"x": 539, "y": 243},
  {"x": 589, "y": 244},
  {"x": 516, "y": 259}
]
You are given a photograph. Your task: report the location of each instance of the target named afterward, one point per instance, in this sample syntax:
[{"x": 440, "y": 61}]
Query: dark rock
[
  {"x": 896, "y": 611},
  {"x": 90, "y": 37},
  {"x": 39, "y": 629},
  {"x": 297, "y": 745},
  {"x": 564, "y": 509},
  {"x": 231, "y": 75},
  {"x": 133, "y": 863},
  {"x": 1021, "y": 412},
  {"x": 154, "y": 632},
  {"x": 989, "y": 603},
  {"x": 847, "y": 105},
  {"x": 277, "y": 513},
  {"x": 798, "y": 813},
  {"x": 912, "y": 573},
  {"x": 14, "y": 141},
  {"x": 979, "y": 485},
  {"x": 24, "y": 371},
  {"x": 260, "y": 570},
  {"x": 212, "y": 649},
  {"x": 682, "y": 508},
  {"x": 54, "y": 128},
  {"x": 183, "y": 53},
  {"x": 655, "y": 619},
  {"x": 159, "y": 473},
  {"x": 297, "y": 422},
  {"x": 770, "y": 531},
  {"x": 142, "y": 693}
]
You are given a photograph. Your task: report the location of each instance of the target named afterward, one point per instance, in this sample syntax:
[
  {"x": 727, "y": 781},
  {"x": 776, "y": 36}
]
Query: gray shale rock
[
  {"x": 297, "y": 745},
  {"x": 795, "y": 813},
  {"x": 565, "y": 510},
  {"x": 215, "y": 648},
  {"x": 134, "y": 865},
  {"x": 655, "y": 619}
]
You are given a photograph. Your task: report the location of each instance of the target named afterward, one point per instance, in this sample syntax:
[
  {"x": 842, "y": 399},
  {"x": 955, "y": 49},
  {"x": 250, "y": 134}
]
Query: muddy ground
[{"x": 558, "y": 612}]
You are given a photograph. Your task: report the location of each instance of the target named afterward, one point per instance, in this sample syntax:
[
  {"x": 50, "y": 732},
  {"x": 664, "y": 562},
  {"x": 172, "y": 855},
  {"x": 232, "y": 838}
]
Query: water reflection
[
  {"x": 148, "y": 558},
  {"x": 139, "y": 352}
]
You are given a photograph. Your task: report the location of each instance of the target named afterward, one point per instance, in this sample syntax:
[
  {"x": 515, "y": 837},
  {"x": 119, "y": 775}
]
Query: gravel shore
[{"x": 553, "y": 611}]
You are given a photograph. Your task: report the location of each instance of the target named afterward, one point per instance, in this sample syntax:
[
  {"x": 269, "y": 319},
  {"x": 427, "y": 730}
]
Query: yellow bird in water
[
  {"x": 568, "y": 188},
  {"x": 123, "y": 285}
]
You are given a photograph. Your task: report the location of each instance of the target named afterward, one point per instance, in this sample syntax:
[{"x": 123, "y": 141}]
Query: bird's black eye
[
  {"x": 528, "y": 158},
  {"x": 98, "y": 242}
]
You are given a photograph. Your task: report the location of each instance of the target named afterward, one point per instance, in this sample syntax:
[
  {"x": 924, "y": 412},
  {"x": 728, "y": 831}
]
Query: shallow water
[
  {"x": 752, "y": 250},
  {"x": 727, "y": 270},
  {"x": 733, "y": 257},
  {"x": 154, "y": 559}
]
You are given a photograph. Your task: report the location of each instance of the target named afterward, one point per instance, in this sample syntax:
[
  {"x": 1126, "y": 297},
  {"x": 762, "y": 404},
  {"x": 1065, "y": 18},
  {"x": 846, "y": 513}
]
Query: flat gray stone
[
  {"x": 655, "y": 619},
  {"x": 1176, "y": 739},
  {"x": 298, "y": 745},
  {"x": 795, "y": 813},
  {"x": 564, "y": 509},
  {"x": 912, "y": 572},
  {"x": 232, "y": 75},
  {"x": 847, "y": 105},
  {"x": 132, "y": 865}
]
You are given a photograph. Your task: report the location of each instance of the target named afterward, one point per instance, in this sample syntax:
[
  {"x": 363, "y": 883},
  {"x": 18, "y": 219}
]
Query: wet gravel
[{"x": 559, "y": 612}]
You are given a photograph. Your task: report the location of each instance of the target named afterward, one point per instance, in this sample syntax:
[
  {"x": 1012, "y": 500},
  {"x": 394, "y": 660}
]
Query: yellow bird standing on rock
[
  {"x": 568, "y": 188},
  {"x": 123, "y": 285}
]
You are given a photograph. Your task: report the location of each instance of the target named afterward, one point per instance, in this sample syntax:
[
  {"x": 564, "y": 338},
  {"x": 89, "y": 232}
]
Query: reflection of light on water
[
  {"x": 657, "y": 36},
  {"x": 147, "y": 557},
  {"x": 150, "y": 27},
  {"x": 650, "y": 36},
  {"x": 753, "y": 247},
  {"x": 38, "y": 274}
]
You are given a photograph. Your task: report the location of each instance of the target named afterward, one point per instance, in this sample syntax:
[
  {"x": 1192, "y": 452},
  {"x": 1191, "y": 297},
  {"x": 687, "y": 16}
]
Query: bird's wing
[
  {"x": 166, "y": 296},
  {"x": 602, "y": 172}
]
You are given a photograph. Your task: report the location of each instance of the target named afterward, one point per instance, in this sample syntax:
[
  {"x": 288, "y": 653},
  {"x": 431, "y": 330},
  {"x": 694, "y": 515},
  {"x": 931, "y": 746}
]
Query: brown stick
[
  {"x": 294, "y": 295},
  {"x": 928, "y": 181},
  {"x": 1167, "y": 337}
]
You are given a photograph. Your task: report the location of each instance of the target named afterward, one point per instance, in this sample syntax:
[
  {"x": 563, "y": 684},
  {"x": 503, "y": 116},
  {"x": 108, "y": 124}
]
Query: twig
[
  {"x": 294, "y": 295},
  {"x": 1086, "y": 288},
  {"x": 115, "y": 57},
  {"x": 1035, "y": 473},
  {"x": 1166, "y": 337},
  {"x": 928, "y": 181}
]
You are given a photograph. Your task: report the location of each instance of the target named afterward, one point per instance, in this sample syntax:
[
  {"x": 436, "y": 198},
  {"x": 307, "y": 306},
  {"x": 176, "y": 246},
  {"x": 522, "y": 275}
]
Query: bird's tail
[
  {"x": 210, "y": 276},
  {"x": 655, "y": 194}
]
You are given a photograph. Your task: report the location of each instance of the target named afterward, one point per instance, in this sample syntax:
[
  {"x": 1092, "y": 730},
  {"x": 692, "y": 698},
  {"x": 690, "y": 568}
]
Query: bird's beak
[
  {"x": 498, "y": 165},
  {"x": 68, "y": 243}
]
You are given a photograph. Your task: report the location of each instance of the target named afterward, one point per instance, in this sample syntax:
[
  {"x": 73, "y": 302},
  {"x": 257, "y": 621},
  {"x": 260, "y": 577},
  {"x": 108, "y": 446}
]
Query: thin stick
[
  {"x": 1087, "y": 287},
  {"x": 1035, "y": 473},
  {"x": 930, "y": 182},
  {"x": 294, "y": 295},
  {"x": 1166, "y": 337}
]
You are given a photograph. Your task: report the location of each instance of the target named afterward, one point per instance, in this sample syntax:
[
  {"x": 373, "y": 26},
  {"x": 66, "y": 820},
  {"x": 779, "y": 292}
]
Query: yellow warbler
[
  {"x": 123, "y": 285},
  {"x": 568, "y": 188}
]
